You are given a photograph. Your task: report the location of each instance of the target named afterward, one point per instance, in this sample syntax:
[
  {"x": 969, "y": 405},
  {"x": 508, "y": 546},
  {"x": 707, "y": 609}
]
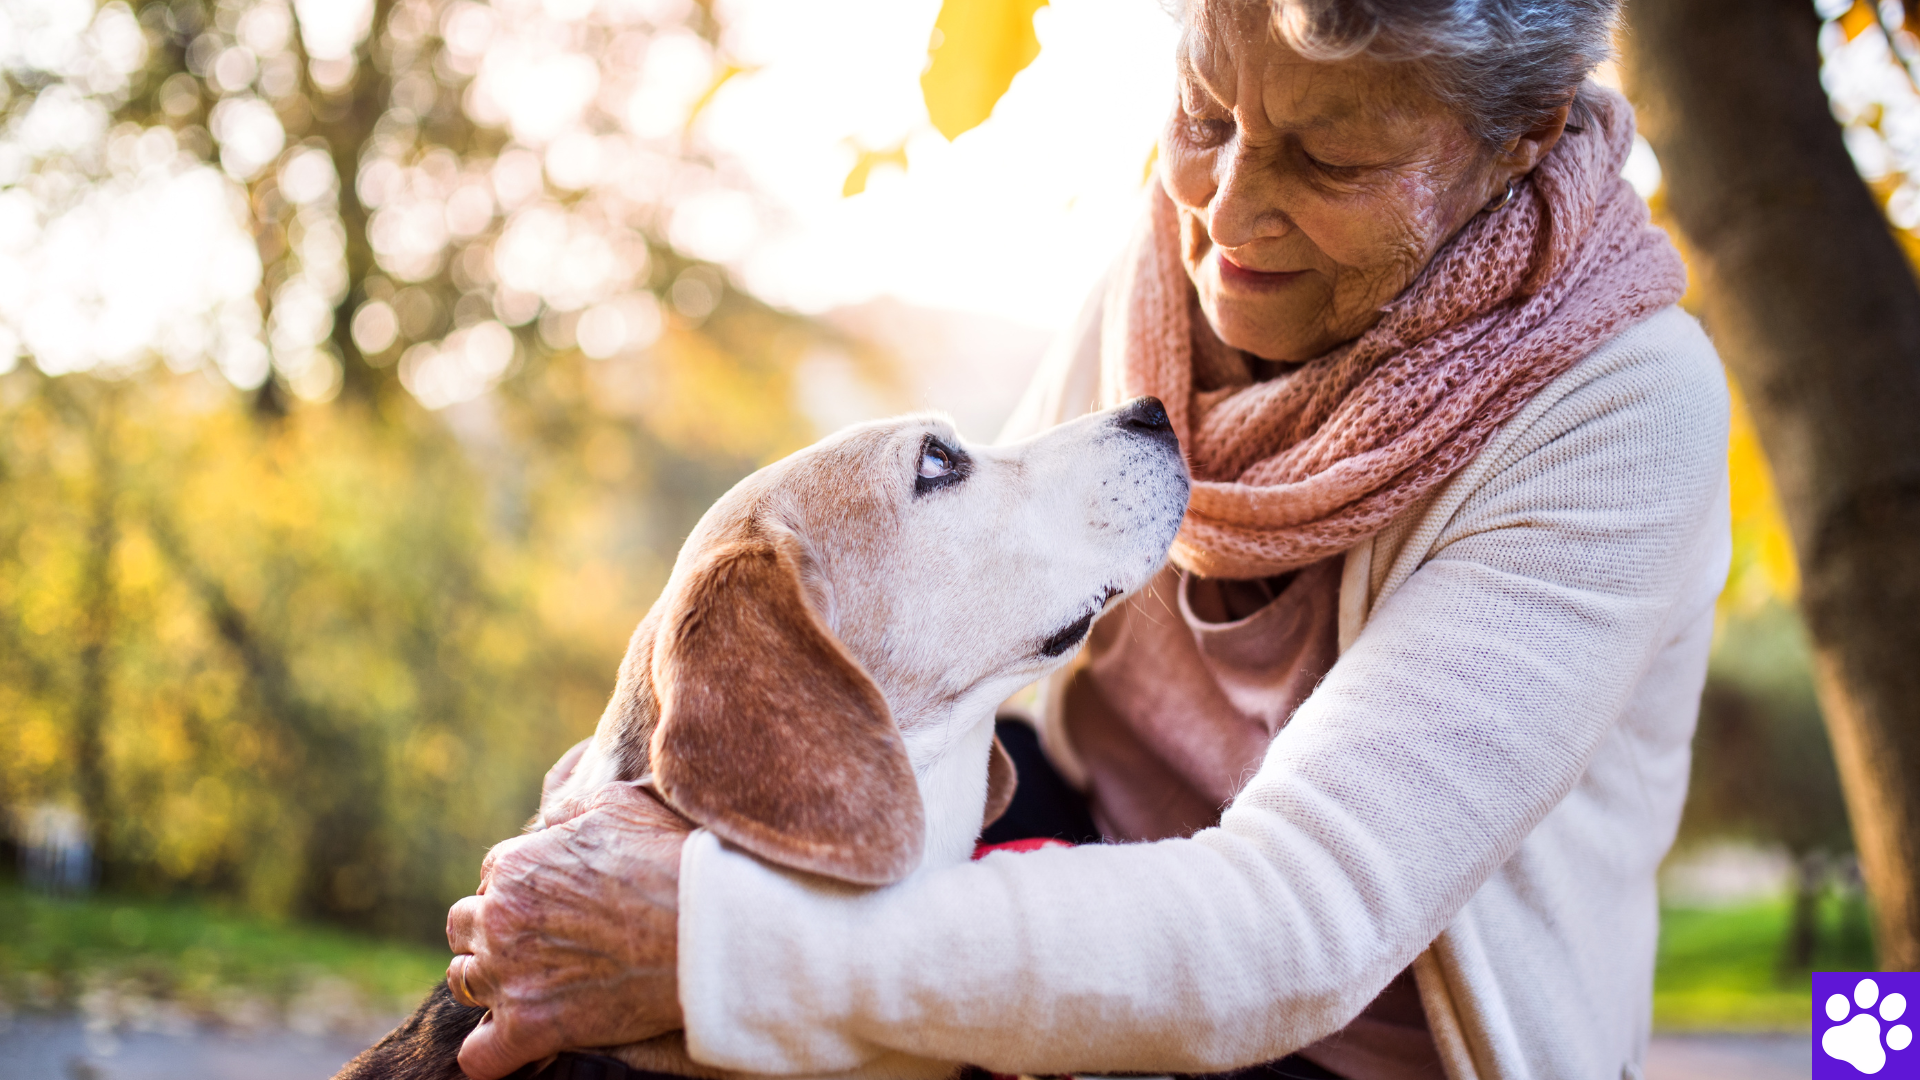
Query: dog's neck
[{"x": 950, "y": 754}]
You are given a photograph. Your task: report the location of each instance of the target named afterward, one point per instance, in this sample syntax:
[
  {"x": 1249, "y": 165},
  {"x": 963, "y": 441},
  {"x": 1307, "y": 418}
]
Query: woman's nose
[{"x": 1245, "y": 205}]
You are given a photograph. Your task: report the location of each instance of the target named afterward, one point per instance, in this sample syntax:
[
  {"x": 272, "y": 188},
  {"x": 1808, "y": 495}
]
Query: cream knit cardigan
[{"x": 1482, "y": 787}]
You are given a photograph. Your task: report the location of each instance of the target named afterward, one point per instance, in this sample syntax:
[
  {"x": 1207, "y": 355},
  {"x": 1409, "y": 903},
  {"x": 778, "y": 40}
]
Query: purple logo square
[{"x": 1863, "y": 1024}]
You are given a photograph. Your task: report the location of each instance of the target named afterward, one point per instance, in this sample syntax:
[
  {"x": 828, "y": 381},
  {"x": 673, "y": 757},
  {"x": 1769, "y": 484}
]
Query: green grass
[
  {"x": 1723, "y": 969},
  {"x": 55, "y": 953}
]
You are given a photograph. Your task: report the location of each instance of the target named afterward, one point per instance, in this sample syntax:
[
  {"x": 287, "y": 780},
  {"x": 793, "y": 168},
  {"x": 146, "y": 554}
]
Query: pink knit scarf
[{"x": 1290, "y": 470}]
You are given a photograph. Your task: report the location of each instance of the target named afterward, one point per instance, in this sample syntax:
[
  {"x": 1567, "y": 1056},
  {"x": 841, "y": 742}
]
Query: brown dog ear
[
  {"x": 1002, "y": 778},
  {"x": 770, "y": 733}
]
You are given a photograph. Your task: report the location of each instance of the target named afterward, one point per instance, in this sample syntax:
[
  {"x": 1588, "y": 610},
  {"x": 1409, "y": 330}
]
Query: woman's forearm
[
  {"x": 1409, "y": 777},
  {"x": 1239, "y": 945},
  {"x": 1145, "y": 956}
]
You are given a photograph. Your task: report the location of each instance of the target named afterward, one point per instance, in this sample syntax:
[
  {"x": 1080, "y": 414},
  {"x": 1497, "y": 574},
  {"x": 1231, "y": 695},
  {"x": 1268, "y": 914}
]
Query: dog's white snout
[
  {"x": 1151, "y": 480},
  {"x": 1127, "y": 460}
]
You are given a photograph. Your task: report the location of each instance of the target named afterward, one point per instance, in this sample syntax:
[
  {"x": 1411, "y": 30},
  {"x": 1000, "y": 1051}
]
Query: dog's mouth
[
  {"x": 1075, "y": 632},
  {"x": 1069, "y": 636}
]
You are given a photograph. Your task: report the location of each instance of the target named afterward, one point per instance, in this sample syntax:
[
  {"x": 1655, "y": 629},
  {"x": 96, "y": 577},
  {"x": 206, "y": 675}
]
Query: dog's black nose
[{"x": 1146, "y": 416}]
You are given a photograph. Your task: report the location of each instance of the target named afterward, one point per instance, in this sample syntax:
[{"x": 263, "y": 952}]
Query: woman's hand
[{"x": 571, "y": 941}]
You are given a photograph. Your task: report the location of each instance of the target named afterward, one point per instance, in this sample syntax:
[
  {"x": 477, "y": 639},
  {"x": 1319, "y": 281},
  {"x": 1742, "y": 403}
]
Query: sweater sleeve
[{"x": 1464, "y": 712}]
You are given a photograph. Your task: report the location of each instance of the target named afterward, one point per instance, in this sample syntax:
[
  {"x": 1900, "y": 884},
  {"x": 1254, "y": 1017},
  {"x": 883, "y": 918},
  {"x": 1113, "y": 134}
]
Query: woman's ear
[
  {"x": 1525, "y": 150},
  {"x": 770, "y": 733}
]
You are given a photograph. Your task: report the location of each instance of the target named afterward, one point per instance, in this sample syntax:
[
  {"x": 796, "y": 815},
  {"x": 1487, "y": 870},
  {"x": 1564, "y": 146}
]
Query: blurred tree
[
  {"x": 1815, "y": 308},
  {"x": 1762, "y": 767},
  {"x": 300, "y": 613}
]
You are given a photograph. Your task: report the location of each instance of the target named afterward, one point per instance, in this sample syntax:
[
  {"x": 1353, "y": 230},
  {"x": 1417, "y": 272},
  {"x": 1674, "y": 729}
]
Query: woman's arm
[{"x": 1462, "y": 715}]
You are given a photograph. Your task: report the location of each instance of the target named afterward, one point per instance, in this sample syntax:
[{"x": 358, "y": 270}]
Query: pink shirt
[{"x": 1171, "y": 711}]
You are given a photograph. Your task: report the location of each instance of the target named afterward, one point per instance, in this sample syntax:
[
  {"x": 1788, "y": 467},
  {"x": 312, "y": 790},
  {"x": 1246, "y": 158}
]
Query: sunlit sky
[{"x": 1015, "y": 220}]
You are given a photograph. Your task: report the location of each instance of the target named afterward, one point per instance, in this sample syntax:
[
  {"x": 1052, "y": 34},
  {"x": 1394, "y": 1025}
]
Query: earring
[{"x": 1500, "y": 203}]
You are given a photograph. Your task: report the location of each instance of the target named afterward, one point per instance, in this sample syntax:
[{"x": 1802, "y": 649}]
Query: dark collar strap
[{"x": 575, "y": 1066}]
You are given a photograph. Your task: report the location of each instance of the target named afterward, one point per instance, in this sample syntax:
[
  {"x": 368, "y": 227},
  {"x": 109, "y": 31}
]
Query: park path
[{"x": 61, "y": 1048}]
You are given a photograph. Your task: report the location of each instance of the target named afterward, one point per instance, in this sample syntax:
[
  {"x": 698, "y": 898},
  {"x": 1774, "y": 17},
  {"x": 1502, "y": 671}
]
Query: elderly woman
[{"x": 1433, "y": 633}]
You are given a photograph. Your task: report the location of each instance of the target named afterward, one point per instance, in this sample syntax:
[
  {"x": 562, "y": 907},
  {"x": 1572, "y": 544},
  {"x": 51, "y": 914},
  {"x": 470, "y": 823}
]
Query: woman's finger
[
  {"x": 494, "y": 1049},
  {"x": 460, "y": 980},
  {"x": 463, "y": 920}
]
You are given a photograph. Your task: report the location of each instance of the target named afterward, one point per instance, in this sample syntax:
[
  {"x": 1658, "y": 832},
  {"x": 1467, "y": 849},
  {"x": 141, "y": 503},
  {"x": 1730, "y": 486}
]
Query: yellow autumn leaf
[
  {"x": 727, "y": 73},
  {"x": 1858, "y": 18},
  {"x": 977, "y": 47},
  {"x": 863, "y": 167}
]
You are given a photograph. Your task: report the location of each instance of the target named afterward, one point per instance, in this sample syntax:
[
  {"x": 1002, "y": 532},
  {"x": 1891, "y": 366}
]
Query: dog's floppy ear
[{"x": 770, "y": 733}]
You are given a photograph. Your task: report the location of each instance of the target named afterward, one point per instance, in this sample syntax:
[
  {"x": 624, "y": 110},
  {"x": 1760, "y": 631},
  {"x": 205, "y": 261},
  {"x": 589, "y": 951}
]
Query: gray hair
[{"x": 1502, "y": 65}]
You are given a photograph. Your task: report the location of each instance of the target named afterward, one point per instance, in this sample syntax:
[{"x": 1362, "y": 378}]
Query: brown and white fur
[{"x": 817, "y": 683}]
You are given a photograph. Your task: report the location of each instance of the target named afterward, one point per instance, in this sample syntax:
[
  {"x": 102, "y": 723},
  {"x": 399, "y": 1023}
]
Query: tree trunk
[
  {"x": 1803, "y": 933},
  {"x": 1816, "y": 311},
  {"x": 99, "y": 602}
]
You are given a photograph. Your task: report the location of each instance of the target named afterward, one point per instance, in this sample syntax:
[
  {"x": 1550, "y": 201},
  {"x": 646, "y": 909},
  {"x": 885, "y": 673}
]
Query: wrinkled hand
[{"x": 571, "y": 940}]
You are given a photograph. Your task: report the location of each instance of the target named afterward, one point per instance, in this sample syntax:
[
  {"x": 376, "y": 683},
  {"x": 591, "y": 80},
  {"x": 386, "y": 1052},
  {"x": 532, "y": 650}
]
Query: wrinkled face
[
  {"x": 958, "y": 573},
  {"x": 1310, "y": 193}
]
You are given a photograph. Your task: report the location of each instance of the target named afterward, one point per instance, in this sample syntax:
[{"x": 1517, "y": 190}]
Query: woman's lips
[{"x": 1233, "y": 274}]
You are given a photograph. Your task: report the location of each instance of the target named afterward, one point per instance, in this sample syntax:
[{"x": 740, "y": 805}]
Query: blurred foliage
[
  {"x": 145, "y": 963},
  {"x": 1764, "y": 769},
  {"x": 302, "y": 591}
]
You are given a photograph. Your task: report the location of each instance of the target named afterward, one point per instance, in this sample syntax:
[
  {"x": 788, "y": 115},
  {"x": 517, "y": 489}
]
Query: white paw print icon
[{"x": 1857, "y": 1042}]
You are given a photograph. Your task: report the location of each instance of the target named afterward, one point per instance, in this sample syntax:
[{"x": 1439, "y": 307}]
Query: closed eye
[
  {"x": 1206, "y": 132},
  {"x": 940, "y": 466},
  {"x": 1343, "y": 172}
]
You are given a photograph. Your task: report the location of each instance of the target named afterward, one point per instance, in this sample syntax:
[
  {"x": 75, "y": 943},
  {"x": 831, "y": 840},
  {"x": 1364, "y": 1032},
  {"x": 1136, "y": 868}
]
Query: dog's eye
[
  {"x": 939, "y": 466},
  {"x": 935, "y": 461}
]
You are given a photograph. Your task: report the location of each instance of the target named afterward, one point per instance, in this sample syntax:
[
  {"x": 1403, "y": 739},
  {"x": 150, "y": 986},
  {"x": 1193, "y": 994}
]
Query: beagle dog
[{"x": 817, "y": 682}]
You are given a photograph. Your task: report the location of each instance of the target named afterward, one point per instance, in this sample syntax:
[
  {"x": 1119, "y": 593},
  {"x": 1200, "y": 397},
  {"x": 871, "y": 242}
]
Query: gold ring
[{"x": 461, "y": 992}]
